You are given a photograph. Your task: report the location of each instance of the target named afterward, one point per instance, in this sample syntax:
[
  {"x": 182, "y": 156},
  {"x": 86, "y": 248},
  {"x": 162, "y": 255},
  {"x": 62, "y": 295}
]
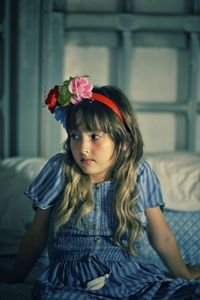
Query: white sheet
[{"x": 179, "y": 175}]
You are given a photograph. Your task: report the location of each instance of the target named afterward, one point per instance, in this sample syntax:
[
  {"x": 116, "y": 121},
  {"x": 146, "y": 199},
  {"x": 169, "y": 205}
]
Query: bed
[{"x": 179, "y": 174}]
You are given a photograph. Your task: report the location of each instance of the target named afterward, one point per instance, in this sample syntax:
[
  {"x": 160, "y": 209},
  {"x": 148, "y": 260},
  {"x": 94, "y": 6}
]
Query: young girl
[{"x": 92, "y": 205}]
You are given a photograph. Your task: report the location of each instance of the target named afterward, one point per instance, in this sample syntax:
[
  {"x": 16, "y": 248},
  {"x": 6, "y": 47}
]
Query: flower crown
[{"x": 73, "y": 91}]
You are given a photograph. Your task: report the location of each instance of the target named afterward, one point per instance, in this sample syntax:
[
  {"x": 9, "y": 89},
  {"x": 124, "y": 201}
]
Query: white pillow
[
  {"x": 16, "y": 211},
  {"x": 179, "y": 175}
]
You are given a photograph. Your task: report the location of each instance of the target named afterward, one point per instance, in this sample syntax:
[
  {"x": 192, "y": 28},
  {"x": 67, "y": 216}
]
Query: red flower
[{"x": 52, "y": 99}]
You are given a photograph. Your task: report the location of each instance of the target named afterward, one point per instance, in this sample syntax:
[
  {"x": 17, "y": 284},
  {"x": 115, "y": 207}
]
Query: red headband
[
  {"x": 73, "y": 91},
  {"x": 105, "y": 100}
]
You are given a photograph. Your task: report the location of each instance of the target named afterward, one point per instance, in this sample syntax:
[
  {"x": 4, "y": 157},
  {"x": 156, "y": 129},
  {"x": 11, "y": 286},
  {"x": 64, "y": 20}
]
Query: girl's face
[{"x": 93, "y": 152}]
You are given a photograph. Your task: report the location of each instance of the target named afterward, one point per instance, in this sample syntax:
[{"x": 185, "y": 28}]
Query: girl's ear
[
  {"x": 125, "y": 146},
  {"x": 127, "y": 149}
]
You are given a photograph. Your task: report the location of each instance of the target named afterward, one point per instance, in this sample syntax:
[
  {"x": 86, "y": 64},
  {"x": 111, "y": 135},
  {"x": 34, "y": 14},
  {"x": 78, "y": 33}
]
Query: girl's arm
[
  {"x": 31, "y": 246},
  {"x": 164, "y": 243}
]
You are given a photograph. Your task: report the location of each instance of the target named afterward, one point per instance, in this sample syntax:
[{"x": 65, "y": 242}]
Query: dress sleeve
[
  {"x": 149, "y": 187},
  {"x": 48, "y": 184}
]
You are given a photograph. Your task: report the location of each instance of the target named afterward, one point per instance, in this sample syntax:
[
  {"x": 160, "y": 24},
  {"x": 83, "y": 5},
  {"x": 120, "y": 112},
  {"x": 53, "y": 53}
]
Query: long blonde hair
[{"x": 128, "y": 152}]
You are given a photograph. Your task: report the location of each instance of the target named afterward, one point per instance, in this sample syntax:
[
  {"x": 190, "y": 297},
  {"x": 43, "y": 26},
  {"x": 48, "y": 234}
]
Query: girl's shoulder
[
  {"x": 53, "y": 167},
  {"x": 146, "y": 174},
  {"x": 149, "y": 186},
  {"x": 143, "y": 167},
  {"x": 56, "y": 160},
  {"x": 49, "y": 183}
]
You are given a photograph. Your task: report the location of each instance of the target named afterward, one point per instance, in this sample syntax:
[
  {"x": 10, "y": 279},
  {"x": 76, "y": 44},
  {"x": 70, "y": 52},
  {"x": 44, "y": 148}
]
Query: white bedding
[
  {"x": 179, "y": 175},
  {"x": 16, "y": 211}
]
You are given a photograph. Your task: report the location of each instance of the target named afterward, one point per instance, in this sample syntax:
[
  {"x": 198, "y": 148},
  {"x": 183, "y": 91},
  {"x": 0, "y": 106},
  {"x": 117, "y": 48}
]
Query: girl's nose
[
  {"x": 84, "y": 147},
  {"x": 85, "y": 151}
]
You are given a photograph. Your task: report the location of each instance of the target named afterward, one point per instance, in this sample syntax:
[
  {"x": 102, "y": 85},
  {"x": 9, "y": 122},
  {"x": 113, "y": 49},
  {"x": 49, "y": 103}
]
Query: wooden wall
[{"x": 35, "y": 34}]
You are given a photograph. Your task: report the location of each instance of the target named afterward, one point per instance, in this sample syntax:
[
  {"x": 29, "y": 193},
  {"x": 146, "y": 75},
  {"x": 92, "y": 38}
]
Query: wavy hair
[{"x": 127, "y": 154}]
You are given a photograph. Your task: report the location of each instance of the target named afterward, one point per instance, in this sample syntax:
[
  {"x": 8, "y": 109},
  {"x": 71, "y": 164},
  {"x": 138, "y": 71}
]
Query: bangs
[{"x": 90, "y": 116}]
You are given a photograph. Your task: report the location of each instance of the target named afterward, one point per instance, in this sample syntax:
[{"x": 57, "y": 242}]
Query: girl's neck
[{"x": 96, "y": 180}]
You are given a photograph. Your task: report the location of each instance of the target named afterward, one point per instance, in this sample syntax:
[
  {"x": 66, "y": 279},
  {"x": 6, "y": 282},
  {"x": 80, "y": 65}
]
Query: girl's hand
[{"x": 194, "y": 271}]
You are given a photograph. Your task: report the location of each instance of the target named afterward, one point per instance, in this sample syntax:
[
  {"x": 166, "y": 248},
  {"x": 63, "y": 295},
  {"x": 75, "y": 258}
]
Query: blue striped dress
[{"x": 83, "y": 261}]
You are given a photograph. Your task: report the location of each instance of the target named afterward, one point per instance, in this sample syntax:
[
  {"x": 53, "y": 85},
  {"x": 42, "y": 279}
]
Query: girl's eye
[
  {"x": 95, "y": 137},
  {"x": 74, "y": 136}
]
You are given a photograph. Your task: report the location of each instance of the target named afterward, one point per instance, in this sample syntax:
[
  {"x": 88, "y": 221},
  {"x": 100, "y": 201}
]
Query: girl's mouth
[{"x": 87, "y": 161}]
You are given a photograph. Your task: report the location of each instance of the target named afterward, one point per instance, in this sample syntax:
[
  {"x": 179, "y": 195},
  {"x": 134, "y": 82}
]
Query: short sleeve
[
  {"x": 148, "y": 187},
  {"x": 48, "y": 184}
]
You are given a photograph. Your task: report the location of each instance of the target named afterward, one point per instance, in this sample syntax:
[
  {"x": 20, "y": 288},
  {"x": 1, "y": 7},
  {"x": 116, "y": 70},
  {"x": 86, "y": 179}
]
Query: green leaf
[{"x": 64, "y": 94}]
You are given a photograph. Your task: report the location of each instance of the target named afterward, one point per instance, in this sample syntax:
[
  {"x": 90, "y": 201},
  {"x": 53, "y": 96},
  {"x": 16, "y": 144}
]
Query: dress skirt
[{"x": 73, "y": 280}]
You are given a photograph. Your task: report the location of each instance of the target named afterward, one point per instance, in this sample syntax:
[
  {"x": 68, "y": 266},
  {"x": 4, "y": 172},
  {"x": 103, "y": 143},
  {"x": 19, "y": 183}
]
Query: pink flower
[{"x": 80, "y": 88}]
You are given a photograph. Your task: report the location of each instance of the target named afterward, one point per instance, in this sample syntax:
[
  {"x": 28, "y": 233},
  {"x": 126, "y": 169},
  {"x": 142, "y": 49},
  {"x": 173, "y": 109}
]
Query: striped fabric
[{"x": 85, "y": 254}]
